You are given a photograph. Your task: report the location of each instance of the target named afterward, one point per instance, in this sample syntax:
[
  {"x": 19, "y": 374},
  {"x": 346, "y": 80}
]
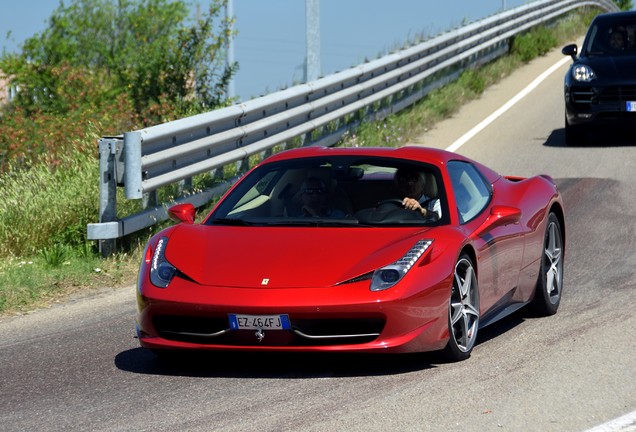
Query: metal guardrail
[{"x": 143, "y": 161}]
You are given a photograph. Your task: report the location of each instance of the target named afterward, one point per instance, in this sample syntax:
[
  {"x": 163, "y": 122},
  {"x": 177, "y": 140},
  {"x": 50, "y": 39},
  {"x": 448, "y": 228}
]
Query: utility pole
[
  {"x": 312, "y": 23},
  {"x": 229, "y": 55}
]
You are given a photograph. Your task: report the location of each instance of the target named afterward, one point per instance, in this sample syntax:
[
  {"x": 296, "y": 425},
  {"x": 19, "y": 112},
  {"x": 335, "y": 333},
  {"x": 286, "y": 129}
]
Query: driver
[
  {"x": 411, "y": 185},
  {"x": 618, "y": 40}
]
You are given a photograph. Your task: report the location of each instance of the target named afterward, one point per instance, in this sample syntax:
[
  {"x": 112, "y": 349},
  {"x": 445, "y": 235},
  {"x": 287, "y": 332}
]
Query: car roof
[
  {"x": 416, "y": 153},
  {"x": 615, "y": 16}
]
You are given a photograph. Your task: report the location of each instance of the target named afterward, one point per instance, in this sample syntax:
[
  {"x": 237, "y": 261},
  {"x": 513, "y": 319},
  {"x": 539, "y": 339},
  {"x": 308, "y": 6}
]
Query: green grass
[
  {"x": 40, "y": 207},
  {"x": 38, "y": 281},
  {"x": 44, "y": 210}
]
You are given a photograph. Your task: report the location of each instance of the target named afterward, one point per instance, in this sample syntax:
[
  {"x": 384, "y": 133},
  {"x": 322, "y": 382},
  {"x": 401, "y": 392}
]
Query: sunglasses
[
  {"x": 408, "y": 178},
  {"x": 314, "y": 191}
]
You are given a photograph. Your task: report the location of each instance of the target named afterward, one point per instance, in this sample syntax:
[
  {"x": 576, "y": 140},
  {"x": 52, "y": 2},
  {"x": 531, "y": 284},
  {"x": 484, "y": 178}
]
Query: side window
[{"x": 472, "y": 192}]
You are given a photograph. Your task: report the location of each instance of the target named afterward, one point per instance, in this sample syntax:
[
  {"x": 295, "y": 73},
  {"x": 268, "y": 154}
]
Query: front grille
[
  {"x": 304, "y": 332},
  {"x": 206, "y": 327},
  {"x": 617, "y": 94},
  {"x": 583, "y": 97}
]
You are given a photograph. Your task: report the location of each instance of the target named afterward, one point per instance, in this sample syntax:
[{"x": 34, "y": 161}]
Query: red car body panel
[
  {"x": 270, "y": 247},
  {"x": 323, "y": 273}
]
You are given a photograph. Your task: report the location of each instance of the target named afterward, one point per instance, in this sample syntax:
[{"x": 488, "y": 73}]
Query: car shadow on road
[
  {"x": 599, "y": 138},
  {"x": 272, "y": 365}
]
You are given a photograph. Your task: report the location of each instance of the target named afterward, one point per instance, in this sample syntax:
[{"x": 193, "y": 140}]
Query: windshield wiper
[
  {"x": 285, "y": 221},
  {"x": 317, "y": 222},
  {"x": 231, "y": 221},
  {"x": 338, "y": 222}
]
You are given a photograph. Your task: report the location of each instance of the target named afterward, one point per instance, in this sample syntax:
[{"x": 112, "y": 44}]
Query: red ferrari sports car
[{"x": 354, "y": 249}]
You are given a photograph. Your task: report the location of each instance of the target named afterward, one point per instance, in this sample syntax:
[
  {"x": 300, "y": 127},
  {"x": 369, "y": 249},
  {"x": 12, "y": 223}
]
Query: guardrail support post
[
  {"x": 132, "y": 156},
  {"x": 107, "y": 190}
]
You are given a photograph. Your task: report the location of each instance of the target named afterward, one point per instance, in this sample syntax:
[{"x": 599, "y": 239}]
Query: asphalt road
[{"x": 77, "y": 366}]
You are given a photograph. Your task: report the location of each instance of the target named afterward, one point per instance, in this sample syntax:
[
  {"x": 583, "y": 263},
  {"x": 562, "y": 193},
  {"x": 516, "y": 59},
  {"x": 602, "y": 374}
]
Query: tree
[
  {"x": 150, "y": 50},
  {"x": 624, "y": 4}
]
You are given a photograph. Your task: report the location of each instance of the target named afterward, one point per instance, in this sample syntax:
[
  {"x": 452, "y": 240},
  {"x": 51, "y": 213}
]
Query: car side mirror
[
  {"x": 499, "y": 216},
  {"x": 570, "y": 50},
  {"x": 182, "y": 213}
]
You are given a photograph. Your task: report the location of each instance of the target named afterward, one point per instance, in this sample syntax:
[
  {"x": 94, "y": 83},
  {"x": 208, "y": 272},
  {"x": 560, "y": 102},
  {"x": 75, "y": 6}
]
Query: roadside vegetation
[{"x": 89, "y": 89}]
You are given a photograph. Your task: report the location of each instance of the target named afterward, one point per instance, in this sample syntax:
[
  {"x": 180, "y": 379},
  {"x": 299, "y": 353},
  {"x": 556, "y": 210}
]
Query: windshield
[
  {"x": 611, "y": 38},
  {"x": 341, "y": 191}
]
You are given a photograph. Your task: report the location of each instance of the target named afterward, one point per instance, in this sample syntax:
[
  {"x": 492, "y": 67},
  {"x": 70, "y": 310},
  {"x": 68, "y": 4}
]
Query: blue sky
[{"x": 270, "y": 46}]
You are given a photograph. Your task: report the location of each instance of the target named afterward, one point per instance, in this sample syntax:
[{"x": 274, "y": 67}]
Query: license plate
[
  {"x": 631, "y": 106},
  {"x": 255, "y": 322}
]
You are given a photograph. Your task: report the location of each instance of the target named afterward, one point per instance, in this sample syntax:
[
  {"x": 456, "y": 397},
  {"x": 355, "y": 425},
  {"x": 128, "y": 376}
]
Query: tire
[
  {"x": 547, "y": 296},
  {"x": 463, "y": 311}
]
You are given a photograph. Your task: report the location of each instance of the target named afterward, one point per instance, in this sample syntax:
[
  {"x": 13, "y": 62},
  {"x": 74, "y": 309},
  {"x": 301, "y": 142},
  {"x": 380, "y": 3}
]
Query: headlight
[
  {"x": 161, "y": 271},
  {"x": 388, "y": 276},
  {"x": 583, "y": 73}
]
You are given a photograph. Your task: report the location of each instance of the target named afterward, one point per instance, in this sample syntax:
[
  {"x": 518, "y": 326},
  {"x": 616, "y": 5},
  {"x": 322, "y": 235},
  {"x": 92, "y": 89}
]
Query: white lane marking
[
  {"x": 626, "y": 423},
  {"x": 492, "y": 117}
]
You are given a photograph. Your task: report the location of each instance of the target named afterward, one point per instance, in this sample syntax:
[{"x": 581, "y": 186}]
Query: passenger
[
  {"x": 314, "y": 196},
  {"x": 618, "y": 40},
  {"x": 411, "y": 185}
]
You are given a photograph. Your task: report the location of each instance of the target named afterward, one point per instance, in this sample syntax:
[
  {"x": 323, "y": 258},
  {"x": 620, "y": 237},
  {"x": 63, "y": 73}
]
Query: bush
[
  {"x": 536, "y": 42},
  {"x": 473, "y": 81},
  {"x": 84, "y": 108},
  {"x": 42, "y": 206}
]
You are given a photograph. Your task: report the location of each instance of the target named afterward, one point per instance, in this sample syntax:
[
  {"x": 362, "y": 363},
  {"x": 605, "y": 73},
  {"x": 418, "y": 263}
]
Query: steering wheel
[{"x": 395, "y": 201}]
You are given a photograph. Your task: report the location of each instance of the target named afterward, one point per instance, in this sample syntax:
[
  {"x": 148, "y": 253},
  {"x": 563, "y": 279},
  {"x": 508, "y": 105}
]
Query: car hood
[
  {"x": 285, "y": 257},
  {"x": 613, "y": 68}
]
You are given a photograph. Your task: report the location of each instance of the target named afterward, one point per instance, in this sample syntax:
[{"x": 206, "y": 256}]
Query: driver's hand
[{"x": 413, "y": 204}]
